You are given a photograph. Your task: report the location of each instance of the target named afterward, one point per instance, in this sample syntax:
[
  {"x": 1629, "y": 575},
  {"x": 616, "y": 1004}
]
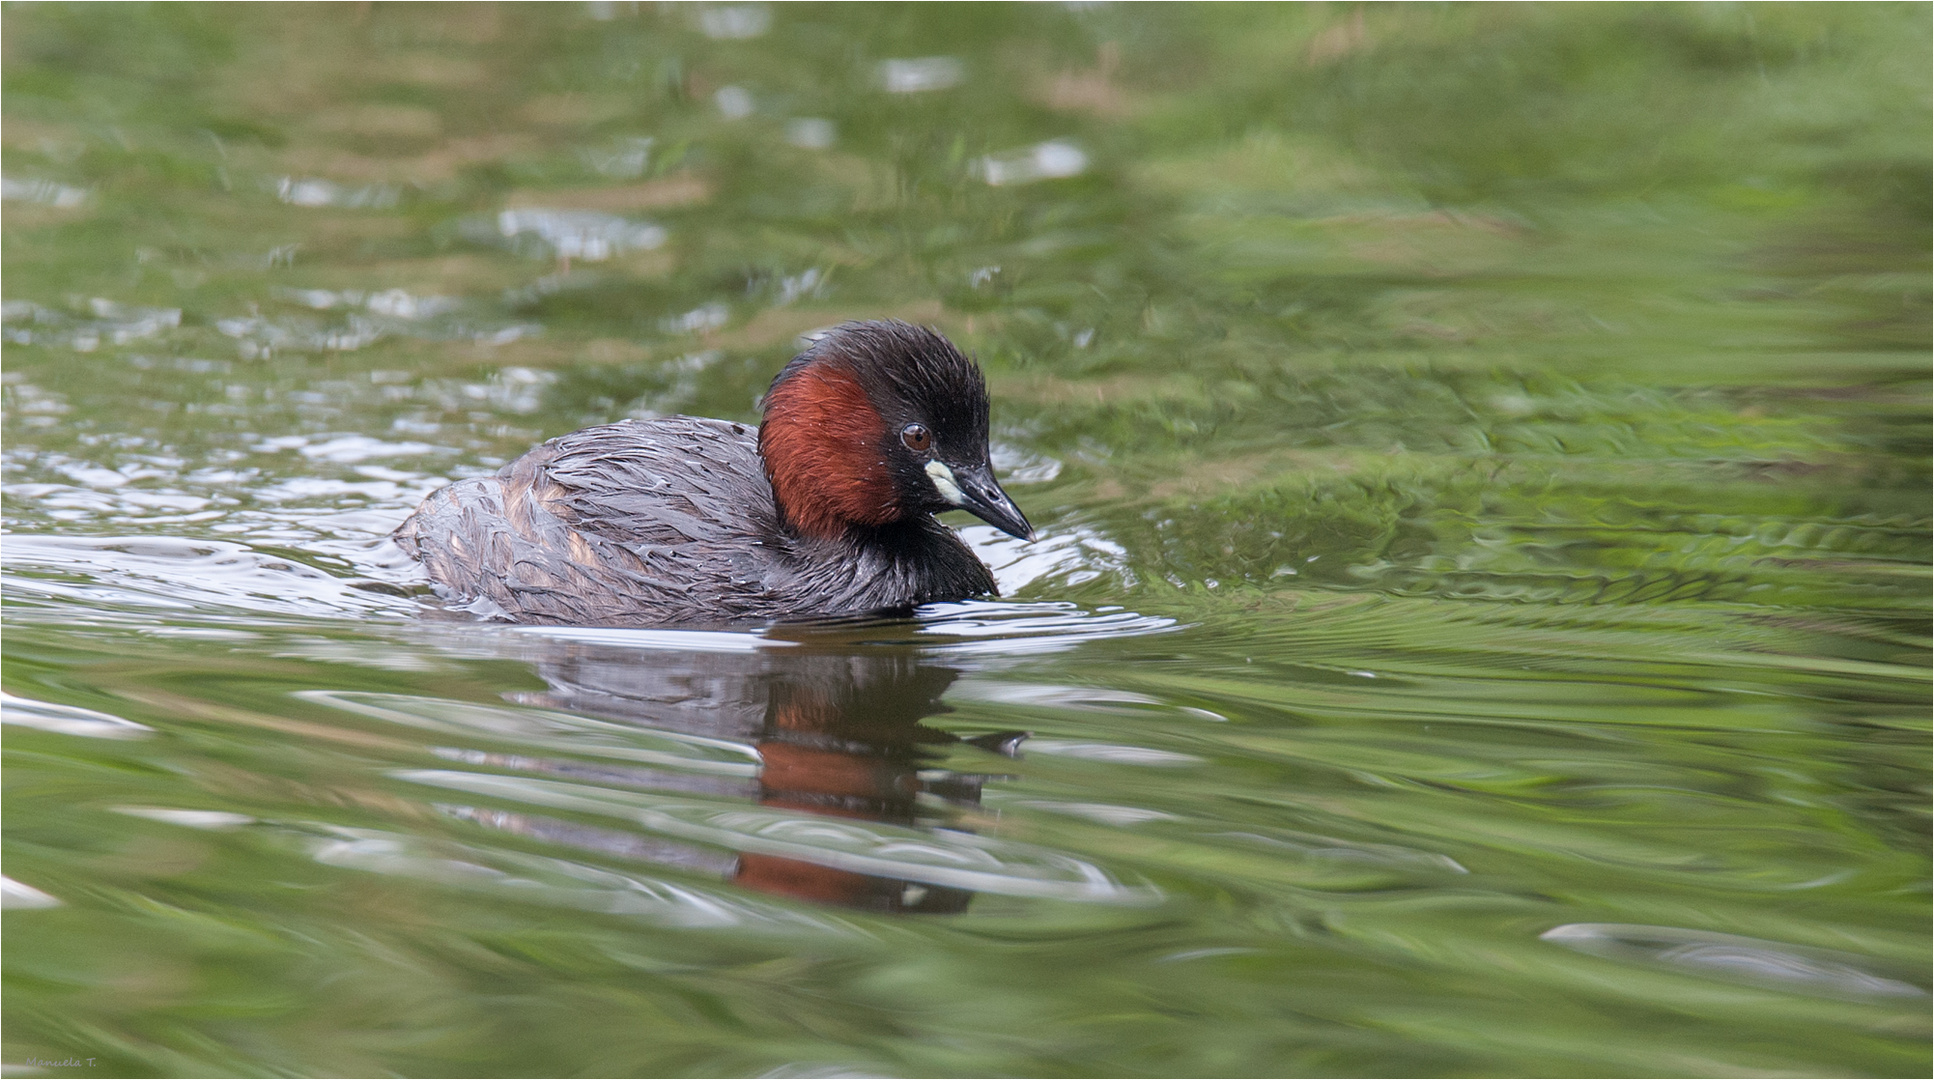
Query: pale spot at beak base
[{"x": 943, "y": 482}]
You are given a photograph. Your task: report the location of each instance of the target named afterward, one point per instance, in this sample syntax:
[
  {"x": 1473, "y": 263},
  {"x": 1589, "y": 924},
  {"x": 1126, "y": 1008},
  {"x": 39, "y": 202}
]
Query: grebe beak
[{"x": 981, "y": 496}]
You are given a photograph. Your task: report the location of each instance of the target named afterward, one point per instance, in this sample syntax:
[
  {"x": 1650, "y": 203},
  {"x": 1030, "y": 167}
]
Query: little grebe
[{"x": 825, "y": 510}]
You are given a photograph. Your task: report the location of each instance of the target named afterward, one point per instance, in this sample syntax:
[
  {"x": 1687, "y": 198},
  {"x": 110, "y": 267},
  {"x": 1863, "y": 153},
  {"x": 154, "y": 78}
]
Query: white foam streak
[{"x": 67, "y": 719}]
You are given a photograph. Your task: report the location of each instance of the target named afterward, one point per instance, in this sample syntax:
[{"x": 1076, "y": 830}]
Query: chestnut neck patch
[{"x": 822, "y": 444}]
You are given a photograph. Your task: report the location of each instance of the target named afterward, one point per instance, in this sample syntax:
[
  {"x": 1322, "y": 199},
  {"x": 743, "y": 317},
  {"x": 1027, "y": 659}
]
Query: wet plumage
[{"x": 683, "y": 520}]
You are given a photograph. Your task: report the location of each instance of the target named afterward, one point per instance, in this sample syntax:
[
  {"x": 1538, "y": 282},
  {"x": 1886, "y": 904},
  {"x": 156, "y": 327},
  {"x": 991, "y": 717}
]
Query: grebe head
[{"x": 876, "y": 422}]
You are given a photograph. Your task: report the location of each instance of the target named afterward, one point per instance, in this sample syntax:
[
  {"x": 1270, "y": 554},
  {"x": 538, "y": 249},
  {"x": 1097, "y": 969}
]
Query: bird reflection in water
[{"x": 837, "y": 728}]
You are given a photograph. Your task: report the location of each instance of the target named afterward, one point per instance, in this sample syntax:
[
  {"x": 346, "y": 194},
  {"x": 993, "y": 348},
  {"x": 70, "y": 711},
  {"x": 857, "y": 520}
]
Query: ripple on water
[
  {"x": 992, "y": 629},
  {"x": 1772, "y": 964},
  {"x": 550, "y": 729},
  {"x": 147, "y": 572},
  {"x": 943, "y": 857},
  {"x": 555, "y": 882},
  {"x": 1067, "y": 557},
  {"x": 67, "y": 719},
  {"x": 15, "y": 895}
]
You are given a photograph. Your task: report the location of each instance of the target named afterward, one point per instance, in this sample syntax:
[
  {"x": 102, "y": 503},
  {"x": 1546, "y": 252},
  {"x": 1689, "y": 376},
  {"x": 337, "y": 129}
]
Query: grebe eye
[{"x": 917, "y": 439}]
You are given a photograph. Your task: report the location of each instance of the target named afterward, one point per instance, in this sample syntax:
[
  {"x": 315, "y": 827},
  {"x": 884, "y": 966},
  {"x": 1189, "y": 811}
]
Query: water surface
[{"x": 1479, "y": 624}]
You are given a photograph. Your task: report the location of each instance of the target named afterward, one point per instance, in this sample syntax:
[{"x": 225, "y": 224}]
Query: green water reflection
[{"x": 1479, "y": 626}]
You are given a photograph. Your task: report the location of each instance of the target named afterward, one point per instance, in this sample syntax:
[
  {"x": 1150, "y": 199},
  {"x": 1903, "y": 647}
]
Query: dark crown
[{"x": 898, "y": 363}]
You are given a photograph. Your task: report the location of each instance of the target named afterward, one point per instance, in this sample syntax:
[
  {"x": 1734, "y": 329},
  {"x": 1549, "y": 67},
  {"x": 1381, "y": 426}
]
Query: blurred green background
[
  {"x": 1427, "y": 287},
  {"x": 1569, "y": 362}
]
